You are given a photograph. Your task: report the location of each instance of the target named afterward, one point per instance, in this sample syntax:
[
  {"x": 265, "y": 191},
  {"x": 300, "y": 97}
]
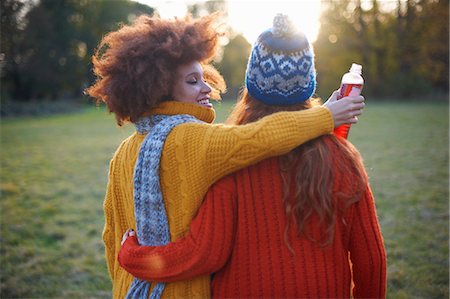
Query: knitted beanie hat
[{"x": 280, "y": 69}]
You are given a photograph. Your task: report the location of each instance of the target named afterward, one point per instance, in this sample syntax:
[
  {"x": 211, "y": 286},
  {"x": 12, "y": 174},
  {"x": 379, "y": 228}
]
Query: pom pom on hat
[
  {"x": 280, "y": 69},
  {"x": 282, "y": 26}
]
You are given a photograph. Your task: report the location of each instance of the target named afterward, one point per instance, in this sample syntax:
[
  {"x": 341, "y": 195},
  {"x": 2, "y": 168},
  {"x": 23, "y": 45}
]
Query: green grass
[
  {"x": 53, "y": 178},
  {"x": 405, "y": 147}
]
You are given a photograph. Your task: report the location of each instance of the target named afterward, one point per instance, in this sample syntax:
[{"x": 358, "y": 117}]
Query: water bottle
[{"x": 351, "y": 85}]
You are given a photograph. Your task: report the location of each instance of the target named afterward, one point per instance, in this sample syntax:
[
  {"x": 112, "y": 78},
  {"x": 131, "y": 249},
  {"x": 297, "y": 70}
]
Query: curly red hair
[{"x": 136, "y": 65}]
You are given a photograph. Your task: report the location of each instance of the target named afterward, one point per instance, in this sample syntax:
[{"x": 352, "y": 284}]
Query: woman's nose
[{"x": 206, "y": 88}]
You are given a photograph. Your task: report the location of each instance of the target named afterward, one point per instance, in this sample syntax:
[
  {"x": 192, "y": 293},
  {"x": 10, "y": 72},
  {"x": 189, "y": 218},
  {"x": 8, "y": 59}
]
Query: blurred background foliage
[
  {"x": 404, "y": 52},
  {"x": 46, "y": 46}
]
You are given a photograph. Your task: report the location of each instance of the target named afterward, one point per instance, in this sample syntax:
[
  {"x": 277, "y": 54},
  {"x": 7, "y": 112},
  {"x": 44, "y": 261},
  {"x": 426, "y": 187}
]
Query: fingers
[
  {"x": 353, "y": 120},
  {"x": 358, "y": 102},
  {"x": 128, "y": 233},
  {"x": 333, "y": 96},
  {"x": 355, "y": 102},
  {"x": 124, "y": 237},
  {"x": 332, "y": 99},
  {"x": 356, "y": 112},
  {"x": 345, "y": 110},
  {"x": 355, "y": 106},
  {"x": 353, "y": 116},
  {"x": 352, "y": 112}
]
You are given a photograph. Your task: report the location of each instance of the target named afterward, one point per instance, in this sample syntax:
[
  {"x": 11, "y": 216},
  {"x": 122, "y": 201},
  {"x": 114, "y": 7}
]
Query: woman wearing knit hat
[{"x": 302, "y": 225}]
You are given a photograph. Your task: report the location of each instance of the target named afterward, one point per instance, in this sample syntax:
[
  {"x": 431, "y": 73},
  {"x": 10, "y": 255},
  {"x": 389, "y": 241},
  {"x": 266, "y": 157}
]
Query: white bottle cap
[{"x": 356, "y": 68}]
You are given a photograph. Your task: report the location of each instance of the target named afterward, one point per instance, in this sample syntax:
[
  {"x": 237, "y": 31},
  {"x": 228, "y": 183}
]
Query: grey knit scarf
[{"x": 151, "y": 219}]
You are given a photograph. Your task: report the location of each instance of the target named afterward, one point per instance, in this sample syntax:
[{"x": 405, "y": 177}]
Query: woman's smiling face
[{"x": 190, "y": 85}]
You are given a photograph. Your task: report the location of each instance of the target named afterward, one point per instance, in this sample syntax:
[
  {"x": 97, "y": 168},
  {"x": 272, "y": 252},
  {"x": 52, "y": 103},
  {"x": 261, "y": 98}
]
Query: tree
[
  {"x": 200, "y": 9},
  {"x": 234, "y": 63},
  {"x": 11, "y": 36},
  {"x": 404, "y": 51},
  {"x": 52, "y": 56},
  {"x": 336, "y": 47},
  {"x": 232, "y": 58}
]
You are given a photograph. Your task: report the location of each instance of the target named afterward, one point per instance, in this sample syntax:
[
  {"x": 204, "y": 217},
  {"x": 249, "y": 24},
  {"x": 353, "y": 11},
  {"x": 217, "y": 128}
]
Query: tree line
[
  {"x": 46, "y": 46},
  {"x": 404, "y": 51}
]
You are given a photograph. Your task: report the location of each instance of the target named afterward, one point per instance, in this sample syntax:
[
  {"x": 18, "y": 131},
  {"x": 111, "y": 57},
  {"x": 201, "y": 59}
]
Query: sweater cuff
[{"x": 326, "y": 119}]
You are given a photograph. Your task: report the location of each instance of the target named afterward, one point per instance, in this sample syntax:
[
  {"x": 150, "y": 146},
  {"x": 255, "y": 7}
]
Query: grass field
[{"x": 53, "y": 178}]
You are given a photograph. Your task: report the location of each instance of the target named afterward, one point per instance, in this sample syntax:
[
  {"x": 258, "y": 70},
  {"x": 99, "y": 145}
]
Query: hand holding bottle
[
  {"x": 351, "y": 85},
  {"x": 346, "y": 110}
]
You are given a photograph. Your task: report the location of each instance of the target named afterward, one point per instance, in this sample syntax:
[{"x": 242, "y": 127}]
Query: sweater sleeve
[
  {"x": 213, "y": 151},
  {"x": 203, "y": 250},
  {"x": 108, "y": 232},
  {"x": 367, "y": 251}
]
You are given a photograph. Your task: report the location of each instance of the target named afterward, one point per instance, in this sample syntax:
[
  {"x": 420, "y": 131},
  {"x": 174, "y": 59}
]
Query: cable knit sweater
[
  {"x": 238, "y": 234},
  {"x": 194, "y": 157}
]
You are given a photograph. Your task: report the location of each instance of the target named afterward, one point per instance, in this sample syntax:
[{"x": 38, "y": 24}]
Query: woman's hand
[
  {"x": 345, "y": 110},
  {"x": 129, "y": 233}
]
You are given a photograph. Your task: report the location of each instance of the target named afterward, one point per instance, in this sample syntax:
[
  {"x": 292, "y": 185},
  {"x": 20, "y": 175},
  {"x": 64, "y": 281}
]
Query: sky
[{"x": 251, "y": 17}]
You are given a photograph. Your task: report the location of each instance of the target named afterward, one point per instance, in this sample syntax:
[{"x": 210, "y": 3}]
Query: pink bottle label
[{"x": 350, "y": 90}]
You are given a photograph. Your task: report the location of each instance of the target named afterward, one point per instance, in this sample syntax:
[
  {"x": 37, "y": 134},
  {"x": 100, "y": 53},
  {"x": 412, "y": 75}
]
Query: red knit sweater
[{"x": 238, "y": 236}]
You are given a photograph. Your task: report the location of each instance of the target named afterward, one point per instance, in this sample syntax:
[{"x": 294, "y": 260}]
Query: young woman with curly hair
[
  {"x": 156, "y": 75},
  {"x": 302, "y": 225}
]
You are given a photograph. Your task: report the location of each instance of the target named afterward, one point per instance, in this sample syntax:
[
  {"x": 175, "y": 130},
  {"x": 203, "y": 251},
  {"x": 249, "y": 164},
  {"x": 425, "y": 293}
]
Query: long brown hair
[{"x": 310, "y": 172}]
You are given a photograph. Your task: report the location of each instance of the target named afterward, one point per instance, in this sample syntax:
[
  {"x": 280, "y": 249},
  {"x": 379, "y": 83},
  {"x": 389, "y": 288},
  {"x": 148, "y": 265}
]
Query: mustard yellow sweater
[{"x": 194, "y": 157}]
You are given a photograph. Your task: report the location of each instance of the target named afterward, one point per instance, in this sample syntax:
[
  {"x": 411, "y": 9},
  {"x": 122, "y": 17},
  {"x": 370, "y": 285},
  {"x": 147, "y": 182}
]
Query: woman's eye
[{"x": 192, "y": 81}]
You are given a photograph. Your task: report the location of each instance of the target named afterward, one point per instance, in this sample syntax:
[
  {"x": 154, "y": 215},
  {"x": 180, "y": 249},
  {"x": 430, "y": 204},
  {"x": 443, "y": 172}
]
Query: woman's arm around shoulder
[
  {"x": 218, "y": 150},
  {"x": 203, "y": 250},
  {"x": 214, "y": 151}
]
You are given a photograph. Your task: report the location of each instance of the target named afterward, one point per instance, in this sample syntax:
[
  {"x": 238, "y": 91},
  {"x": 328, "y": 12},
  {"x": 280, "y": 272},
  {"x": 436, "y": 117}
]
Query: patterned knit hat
[{"x": 281, "y": 69}]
